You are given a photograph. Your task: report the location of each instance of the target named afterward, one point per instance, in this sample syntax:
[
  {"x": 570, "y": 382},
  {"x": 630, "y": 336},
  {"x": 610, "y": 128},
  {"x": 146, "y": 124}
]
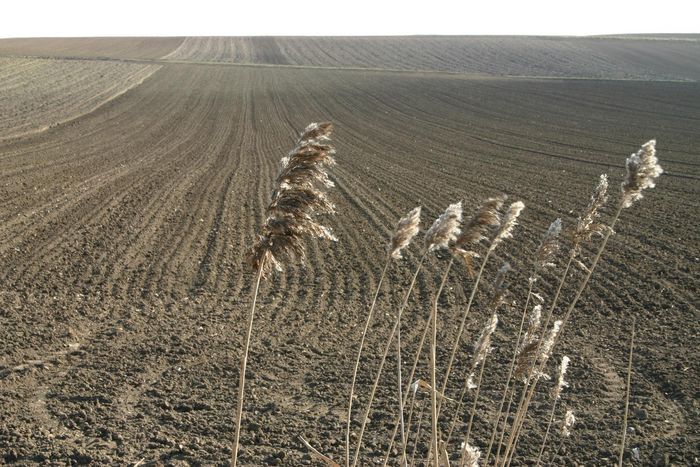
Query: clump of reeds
[{"x": 297, "y": 199}]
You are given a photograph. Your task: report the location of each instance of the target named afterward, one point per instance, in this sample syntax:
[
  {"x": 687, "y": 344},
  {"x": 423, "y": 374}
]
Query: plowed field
[
  {"x": 123, "y": 288},
  {"x": 38, "y": 93}
]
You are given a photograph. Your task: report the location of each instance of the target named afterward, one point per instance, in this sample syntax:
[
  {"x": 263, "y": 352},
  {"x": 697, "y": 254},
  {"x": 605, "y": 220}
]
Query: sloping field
[
  {"x": 124, "y": 289},
  {"x": 94, "y": 47},
  {"x": 36, "y": 93},
  {"x": 629, "y": 58}
]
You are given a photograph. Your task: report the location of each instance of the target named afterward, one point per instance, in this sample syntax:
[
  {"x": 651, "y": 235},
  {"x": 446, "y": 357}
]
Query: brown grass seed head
[
  {"x": 298, "y": 197},
  {"x": 561, "y": 383},
  {"x": 510, "y": 220},
  {"x": 445, "y": 229},
  {"x": 406, "y": 230},
  {"x": 642, "y": 171},
  {"x": 549, "y": 247}
]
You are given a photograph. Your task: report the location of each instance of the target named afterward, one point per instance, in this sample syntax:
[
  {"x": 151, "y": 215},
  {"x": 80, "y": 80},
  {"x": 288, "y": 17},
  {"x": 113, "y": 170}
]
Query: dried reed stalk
[
  {"x": 556, "y": 394},
  {"x": 298, "y": 197},
  {"x": 444, "y": 230},
  {"x": 544, "y": 259},
  {"x": 405, "y": 231},
  {"x": 314, "y": 452},
  {"x": 375, "y": 384},
  {"x": 482, "y": 348},
  {"x": 642, "y": 171},
  {"x": 586, "y": 227}
]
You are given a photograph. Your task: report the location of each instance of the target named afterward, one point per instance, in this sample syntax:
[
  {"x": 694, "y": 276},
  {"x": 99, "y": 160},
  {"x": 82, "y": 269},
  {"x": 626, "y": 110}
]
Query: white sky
[{"x": 32, "y": 18}]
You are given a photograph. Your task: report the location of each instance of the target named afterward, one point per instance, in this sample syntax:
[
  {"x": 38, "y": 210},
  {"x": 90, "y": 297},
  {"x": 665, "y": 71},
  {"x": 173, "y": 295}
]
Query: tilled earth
[{"x": 124, "y": 290}]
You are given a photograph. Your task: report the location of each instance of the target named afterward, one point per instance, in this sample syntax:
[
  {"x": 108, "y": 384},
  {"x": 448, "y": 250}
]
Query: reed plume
[
  {"x": 561, "y": 383},
  {"x": 406, "y": 229},
  {"x": 569, "y": 421},
  {"x": 445, "y": 229},
  {"x": 470, "y": 456},
  {"x": 487, "y": 215},
  {"x": 297, "y": 199},
  {"x": 642, "y": 171},
  {"x": 548, "y": 249},
  {"x": 588, "y": 224},
  {"x": 528, "y": 347},
  {"x": 510, "y": 220},
  {"x": 556, "y": 394},
  {"x": 482, "y": 348}
]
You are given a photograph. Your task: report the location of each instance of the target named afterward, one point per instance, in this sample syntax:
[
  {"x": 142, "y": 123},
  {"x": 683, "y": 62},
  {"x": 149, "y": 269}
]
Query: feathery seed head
[
  {"x": 561, "y": 384},
  {"x": 482, "y": 347},
  {"x": 406, "y": 229},
  {"x": 588, "y": 224},
  {"x": 527, "y": 353},
  {"x": 549, "y": 246},
  {"x": 487, "y": 215},
  {"x": 509, "y": 222},
  {"x": 445, "y": 228},
  {"x": 470, "y": 455},
  {"x": 548, "y": 345},
  {"x": 500, "y": 287},
  {"x": 642, "y": 171},
  {"x": 545, "y": 352},
  {"x": 297, "y": 198},
  {"x": 569, "y": 421}
]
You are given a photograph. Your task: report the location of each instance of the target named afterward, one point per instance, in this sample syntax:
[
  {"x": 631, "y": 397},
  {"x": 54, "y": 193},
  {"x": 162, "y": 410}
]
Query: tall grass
[{"x": 297, "y": 199}]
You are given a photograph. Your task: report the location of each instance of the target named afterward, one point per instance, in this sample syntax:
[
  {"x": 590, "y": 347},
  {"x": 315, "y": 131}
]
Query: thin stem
[
  {"x": 433, "y": 366},
  {"x": 519, "y": 411},
  {"x": 546, "y": 433},
  {"x": 416, "y": 359},
  {"x": 357, "y": 362},
  {"x": 627, "y": 396},
  {"x": 418, "y": 433},
  {"x": 569, "y": 310},
  {"x": 244, "y": 364},
  {"x": 400, "y": 384},
  {"x": 505, "y": 424},
  {"x": 455, "y": 417},
  {"x": 476, "y": 398},
  {"x": 383, "y": 360},
  {"x": 455, "y": 347},
  {"x": 396, "y": 429},
  {"x": 510, "y": 374}
]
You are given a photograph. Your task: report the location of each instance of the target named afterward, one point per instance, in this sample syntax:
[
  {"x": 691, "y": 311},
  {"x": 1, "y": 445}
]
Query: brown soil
[{"x": 124, "y": 289}]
